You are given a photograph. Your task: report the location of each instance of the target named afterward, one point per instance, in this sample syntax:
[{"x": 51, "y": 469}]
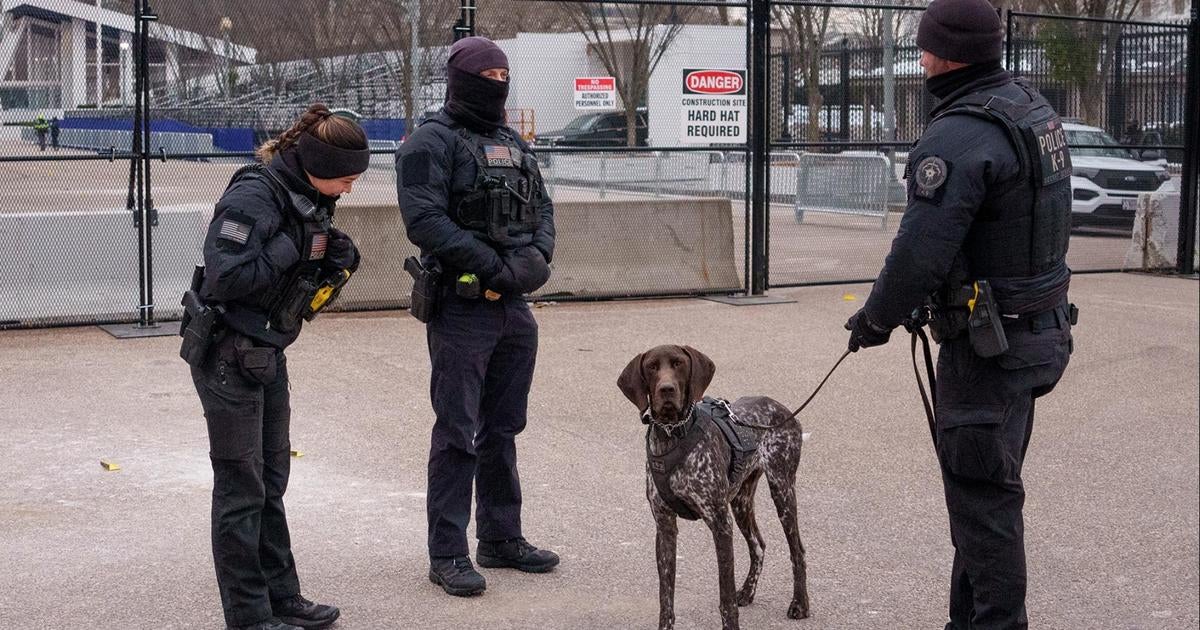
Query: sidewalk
[{"x": 1111, "y": 518}]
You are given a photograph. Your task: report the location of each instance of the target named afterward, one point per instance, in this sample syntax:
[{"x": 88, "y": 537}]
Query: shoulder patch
[
  {"x": 930, "y": 175},
  {"x": 414, "y": 168},
  {"x": 236, "y": 227}
]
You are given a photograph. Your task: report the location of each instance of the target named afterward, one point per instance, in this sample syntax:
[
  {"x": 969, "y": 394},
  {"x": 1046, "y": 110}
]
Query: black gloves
[
  {"x": 341, "y": 252},
  {"x": 524, "y": 271},
  {"x": 864, "y": 333}
]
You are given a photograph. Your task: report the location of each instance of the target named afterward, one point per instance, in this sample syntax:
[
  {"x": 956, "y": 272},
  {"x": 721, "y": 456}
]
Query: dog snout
[{"x": 667, "y": 390}]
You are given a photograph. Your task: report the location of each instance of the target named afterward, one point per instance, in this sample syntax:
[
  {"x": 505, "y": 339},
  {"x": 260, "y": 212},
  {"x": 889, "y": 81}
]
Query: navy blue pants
[
  {"x": 483, "y": 358},
  {"x": 984, "y": 422},
  {"x": 248, "y": 418}
]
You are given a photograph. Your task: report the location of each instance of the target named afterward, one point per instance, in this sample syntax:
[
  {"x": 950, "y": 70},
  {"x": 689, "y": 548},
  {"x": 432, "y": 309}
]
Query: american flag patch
[
  {"x": 235, "y": 231},
  {"x": 498, "y": 155},
  {"x": 319, "y": 243}
]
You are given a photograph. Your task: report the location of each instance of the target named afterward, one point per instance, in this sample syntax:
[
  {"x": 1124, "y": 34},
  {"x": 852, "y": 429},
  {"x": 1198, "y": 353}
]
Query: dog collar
[{"x": 670, "y": 429}]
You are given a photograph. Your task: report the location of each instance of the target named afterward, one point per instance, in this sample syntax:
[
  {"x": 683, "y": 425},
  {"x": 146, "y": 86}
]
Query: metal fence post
[
  {"x": 658, "y": 174},
  {"x": 603, "y": 174},
  {"x": 1116, "y": 95},
  {"x": 1008, "y": 43},
  {"x": 759, "y": 51},
  {"x": 844, "y": 79},
  {"x": 1189, "y": 198}
]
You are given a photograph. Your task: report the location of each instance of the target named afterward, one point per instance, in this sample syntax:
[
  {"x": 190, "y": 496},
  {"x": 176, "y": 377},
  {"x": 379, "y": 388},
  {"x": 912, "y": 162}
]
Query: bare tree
[
  {"x": 804, "y": 31},
  {"x": 867, "y": 23},
  {"x": 629, "y": 41},
  {"x": 1082, "y": 54},
  {"x": 418, "y": 32}
]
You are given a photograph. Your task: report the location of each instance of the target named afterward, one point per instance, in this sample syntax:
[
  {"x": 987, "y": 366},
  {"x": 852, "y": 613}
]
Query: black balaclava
[{"x": 475, "y": 100}]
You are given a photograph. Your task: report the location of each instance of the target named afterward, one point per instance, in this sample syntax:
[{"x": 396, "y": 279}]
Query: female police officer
[
  {"x": 271, "y": 256},
  {"x": 474, "y": 202}
]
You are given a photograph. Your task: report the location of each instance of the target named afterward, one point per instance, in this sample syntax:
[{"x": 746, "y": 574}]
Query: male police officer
[
  {"x": 474, "y": 202},
  {"x": 988, "y": 216}
]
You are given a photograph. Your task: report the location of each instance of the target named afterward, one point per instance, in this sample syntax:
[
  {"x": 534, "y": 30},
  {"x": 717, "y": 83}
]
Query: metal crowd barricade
[
  {"x": 105, "y": 139},
  {"x": 843, "y": 183}
]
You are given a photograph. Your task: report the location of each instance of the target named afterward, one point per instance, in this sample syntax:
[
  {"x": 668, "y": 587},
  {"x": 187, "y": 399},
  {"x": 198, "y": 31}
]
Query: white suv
[{"x": 1107, "y": 181}]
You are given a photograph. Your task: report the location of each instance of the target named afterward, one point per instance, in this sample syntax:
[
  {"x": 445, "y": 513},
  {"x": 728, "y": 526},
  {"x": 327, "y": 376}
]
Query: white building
[
  {"x": 64, "y": 54},
  {"x": 544, "y": 67}
]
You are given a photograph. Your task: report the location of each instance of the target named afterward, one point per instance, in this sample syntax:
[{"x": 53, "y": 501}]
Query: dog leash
[
  {"x": 919, "y": 332},
  {"x": 822, "y": 384}
]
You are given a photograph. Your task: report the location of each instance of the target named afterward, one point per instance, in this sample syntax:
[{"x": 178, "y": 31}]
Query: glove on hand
[
  {"x": 341, "y": 252},
  {"x": 864, "y": 333}
]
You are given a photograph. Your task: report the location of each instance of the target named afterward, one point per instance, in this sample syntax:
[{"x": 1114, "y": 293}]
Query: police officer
[
  {"x": 474, "y": 202},
  {"x": 270, "y": 250},
  {"x": 41, "y": 127},
  {"x": 55, "y": 130},
  {"x": 989, "y": 205}
]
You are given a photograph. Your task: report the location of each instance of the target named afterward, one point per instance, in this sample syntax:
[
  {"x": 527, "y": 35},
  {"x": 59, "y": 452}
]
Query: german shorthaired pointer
[{"x": 665, "y": 383}]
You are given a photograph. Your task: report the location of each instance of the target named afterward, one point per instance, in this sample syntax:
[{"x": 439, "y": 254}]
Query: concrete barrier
[
  {"x": 77, "y": 267},
  {"x": 1155, "y": 240},
  {"x": 604, "y": 249}
]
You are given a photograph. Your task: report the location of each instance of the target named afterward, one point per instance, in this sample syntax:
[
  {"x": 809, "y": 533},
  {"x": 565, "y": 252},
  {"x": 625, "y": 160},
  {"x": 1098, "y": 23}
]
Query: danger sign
[
  {"x": 714, "y": 107},
  {"x": 595, "y": 93}
]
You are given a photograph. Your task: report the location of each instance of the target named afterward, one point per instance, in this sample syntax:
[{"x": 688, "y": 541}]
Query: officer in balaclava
[
  {"x": 474, "y": 202},
  {"x": 983, "y": 244}
]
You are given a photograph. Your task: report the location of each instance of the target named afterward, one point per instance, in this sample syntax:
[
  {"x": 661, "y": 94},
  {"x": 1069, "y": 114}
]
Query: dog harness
[{"x": 742, "y": 442}]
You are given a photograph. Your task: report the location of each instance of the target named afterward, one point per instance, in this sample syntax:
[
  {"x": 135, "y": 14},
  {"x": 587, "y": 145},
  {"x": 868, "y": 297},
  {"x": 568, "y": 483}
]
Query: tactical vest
[
  {"x": 504, "y": 199},
  {"x": 1022, "y": 231},
  {"x": 742, "y": 441},
  {"x": 308, "y": 226}
]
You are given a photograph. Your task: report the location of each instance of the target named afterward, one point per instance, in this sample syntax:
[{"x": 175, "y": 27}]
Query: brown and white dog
[{"x": 664, "y": 382}]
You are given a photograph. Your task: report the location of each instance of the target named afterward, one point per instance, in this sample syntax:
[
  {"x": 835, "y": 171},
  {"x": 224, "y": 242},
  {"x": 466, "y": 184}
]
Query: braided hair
[{"x": 319, "y": 121}]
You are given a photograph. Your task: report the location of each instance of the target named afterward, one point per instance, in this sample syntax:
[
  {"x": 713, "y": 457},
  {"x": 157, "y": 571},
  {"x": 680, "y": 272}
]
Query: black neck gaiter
[
  {"x": 945, "y": 84},
  {"x": 475, "y": 100}
]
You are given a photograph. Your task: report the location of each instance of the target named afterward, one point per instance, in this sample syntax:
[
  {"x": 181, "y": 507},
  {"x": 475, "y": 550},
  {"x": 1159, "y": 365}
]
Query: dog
[{"x": 665, "y": 384}]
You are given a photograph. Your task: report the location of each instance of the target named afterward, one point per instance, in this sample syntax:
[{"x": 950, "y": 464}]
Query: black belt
[{"x": 1055, "y": 318}]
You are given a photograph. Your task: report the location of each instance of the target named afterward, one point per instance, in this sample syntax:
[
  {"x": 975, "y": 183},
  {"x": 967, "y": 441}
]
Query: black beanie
[
  {"x": 966, "y": 31},
  {"x": 476, "y": 54}
]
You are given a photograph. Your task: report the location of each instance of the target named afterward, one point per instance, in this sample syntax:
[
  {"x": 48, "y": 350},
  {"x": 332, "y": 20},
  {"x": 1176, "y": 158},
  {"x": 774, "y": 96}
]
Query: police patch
[
  {"x": 930, "y": 174},
  {"x": 498, "y": 155}
]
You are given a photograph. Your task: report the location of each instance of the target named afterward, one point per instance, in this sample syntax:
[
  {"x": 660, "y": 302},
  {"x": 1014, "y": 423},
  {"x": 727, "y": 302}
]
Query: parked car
[
  {"x": 598, "y": 129},
  {"x": 1107, "y": 180}
]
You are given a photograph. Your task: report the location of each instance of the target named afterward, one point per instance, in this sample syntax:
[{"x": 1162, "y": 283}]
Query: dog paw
[
  {"x": 666, "y": 624},
  {"x": 797, "y": 611},
  {"x": 745, "y": 597}
]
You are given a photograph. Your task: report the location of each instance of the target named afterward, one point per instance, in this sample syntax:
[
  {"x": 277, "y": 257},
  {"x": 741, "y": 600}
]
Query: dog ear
[
  {"x": 633, "y": 384},
  {"x": 702, "y": 371}
]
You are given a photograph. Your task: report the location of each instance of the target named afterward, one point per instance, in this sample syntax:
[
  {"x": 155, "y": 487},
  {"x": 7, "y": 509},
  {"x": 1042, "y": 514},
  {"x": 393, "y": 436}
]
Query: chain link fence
[{"x": 649, "y": 203}]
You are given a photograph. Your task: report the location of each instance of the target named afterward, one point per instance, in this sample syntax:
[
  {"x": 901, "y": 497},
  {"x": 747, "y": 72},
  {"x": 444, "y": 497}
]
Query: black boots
[
  {"x": 515, "y": 553},
  {"x": 270, "y": 624},
  {"x": 300, "y": 612},
  {"x": 456, "y": 576}
]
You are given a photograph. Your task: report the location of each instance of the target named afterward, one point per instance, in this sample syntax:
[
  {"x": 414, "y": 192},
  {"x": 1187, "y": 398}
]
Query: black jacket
[
  {"x": 980, "y": 161},
  {"x": 251, "y": 246},
  {"x": 433, "y": 166}
]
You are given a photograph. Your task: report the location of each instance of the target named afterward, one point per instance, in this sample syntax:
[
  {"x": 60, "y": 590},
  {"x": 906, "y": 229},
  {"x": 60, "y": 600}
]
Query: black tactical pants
[
  {"x": 248, "y": 413},
  {"x": 984, "y": 421},
  {"x": 483, "y": 357}
]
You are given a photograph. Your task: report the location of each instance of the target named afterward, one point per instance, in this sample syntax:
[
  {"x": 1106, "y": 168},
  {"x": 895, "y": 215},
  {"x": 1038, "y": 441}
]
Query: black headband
[{"x": 325, "y": 161}]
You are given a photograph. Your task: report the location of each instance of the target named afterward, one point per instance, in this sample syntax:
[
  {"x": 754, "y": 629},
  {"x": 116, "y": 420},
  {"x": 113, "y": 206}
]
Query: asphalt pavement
[{"x": 1112, "y": 474}]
